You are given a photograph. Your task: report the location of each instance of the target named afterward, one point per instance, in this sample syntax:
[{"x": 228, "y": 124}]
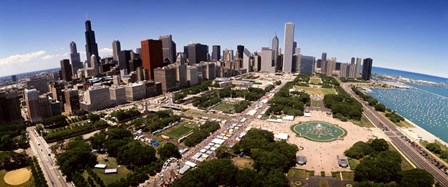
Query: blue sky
[{"x": 400, "y": 34}]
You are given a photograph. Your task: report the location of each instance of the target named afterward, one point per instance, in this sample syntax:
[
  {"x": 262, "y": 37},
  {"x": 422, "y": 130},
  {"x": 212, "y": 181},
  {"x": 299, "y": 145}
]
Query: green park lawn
[
  {"x": 225, "y": 107},
  {"x": 346, "y": 175},
  {"x": 315, "y": 80},
  {"x": 364, "y": 122},
  {"x": 179, "y": 130},
  {"x": 316, "y": 103},
  {"x": 29, "y": 183},
  {"x": 353, "y": 162},
  {"x": 316, "y": 91},
  {"x": 301, "y": 173},
  {"x": 109, "y": 178},
  {"x": 443, "y": 147}
]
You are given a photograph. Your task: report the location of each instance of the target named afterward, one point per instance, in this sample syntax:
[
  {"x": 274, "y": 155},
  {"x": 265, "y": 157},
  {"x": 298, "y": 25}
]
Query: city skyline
[{"x": 389, "y": 42}]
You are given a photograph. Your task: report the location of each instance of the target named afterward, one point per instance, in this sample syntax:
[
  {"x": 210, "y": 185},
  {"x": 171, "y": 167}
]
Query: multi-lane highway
[
  {"x": 43, "y": 154},
  {"x": 395, "y": 136}
]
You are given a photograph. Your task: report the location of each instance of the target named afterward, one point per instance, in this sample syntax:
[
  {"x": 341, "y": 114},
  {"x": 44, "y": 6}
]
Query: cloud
[
  {"x": 105, "y": 51},
  {"x": 20, "y": 58}
]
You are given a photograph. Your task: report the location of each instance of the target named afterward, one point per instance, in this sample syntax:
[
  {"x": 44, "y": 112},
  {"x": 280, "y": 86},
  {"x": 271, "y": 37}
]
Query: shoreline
[{"x": 421, "y": 133}]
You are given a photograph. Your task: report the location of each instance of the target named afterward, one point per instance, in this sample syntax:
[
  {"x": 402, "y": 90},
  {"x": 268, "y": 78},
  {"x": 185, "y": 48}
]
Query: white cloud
[
  {"x": 105, "y": 52},
  {"x": 20, "y": 58}
]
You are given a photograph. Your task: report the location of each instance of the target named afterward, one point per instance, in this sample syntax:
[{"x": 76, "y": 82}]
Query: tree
[
  {"x": 384, "y": 167},
  {"x": 380, "y": 107},
  {"x": 218, "y": 172},
  {"x": 169, "y": 150},
  {"x": 136, "y": 154},
  {"x": 93, "y": 117},
  {"x": 379, "y": 145},
  {"x": 434, "y": 147},
  {"x": 275, "y": 178},
  {"x": 77, "y": 157},
  {"x": 223, "y": 152},
  {"x": 417, "y": 178},
  {"x": 358, "y": 150}
]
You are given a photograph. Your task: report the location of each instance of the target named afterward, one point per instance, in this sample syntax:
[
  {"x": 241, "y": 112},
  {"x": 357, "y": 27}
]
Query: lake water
[{"x": 426, "y": 106}]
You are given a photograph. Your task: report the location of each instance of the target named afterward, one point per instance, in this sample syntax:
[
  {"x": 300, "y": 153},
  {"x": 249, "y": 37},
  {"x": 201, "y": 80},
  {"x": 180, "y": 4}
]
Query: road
[
  {"x": 47, "y": 163},
  {"x": 395, "y": 136}
]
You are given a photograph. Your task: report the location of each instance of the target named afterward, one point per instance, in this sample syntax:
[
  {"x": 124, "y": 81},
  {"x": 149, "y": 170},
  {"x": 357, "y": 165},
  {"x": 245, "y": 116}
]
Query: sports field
[
  {"x": 316, "y": 91},
  {"x": 180, "y": 130},
  {"x": 16, "y": 178}
]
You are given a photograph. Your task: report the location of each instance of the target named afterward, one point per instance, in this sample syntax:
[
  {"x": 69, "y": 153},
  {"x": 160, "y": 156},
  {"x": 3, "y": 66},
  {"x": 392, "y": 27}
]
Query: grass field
[
  {"x": 352, "y": 162},
  {"x": 243, "y": 162},
  {"x": 316, "y": 91},
  {"x": 109, "y": 178},
  {"x": 179, "y": 130},
  {"x": 315, "y": 80},
  {"x": 316, "y": 103},
  {"x": 225, "y": 107},
  {"x": 364, "y": 122},
  {"x": 294, "y": 172},
  {"x": 346, "y": 175},
  {"x": 30, "y": 182}
]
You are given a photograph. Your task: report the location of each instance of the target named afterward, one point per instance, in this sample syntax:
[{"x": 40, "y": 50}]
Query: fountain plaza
[{"x": 321, "y": 138}]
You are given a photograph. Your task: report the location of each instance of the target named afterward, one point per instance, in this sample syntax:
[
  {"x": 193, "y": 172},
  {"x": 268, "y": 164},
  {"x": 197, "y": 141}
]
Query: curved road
[{"x": 395, "y": 136}]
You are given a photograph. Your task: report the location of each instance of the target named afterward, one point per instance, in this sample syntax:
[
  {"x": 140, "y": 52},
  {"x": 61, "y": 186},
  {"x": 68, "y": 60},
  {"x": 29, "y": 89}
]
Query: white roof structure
[
  {"x": 252, "y": 112},
  {"x": 281, "y": 136},
  {"x": 197, "y": 155},
  {"x": 191, "y": 164},
  {"x": 307, "y": 114},
  {"x": 109, "y": 171},
  {"x": 218, "y": 141},
  {"x": 101, "y": 166},
  {"x": 184, "y": 169},
  {"x": 288, "y": 118}
]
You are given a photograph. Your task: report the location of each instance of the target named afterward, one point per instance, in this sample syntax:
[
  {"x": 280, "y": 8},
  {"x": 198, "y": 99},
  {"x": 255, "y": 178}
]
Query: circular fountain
[{"x": 319, "y": 131}]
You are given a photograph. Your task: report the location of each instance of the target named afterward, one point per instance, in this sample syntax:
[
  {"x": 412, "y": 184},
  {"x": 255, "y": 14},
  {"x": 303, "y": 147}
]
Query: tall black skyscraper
[
  {"x": 196, "y": 53},
  {"x": 240, "y": 50},
  {"x": 367, "y": 69},
  {"x": 123, "y": 60},
  {"x": 66, "y": 70},
  {"x": 216, "y": 53},
  {"x": 75, "y": 59},
  {"x": 91, "y": 46}
]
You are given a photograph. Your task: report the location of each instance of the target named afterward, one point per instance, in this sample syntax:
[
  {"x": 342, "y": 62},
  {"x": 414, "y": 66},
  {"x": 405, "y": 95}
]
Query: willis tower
[{"x": 91, "y": 46}]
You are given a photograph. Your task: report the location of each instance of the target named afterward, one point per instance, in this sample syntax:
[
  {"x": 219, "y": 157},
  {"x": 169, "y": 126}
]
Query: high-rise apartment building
[
  {"x": 91, "y": 46},
  {"x": 367, "y": 69},
  {"x": 123, "y": 60},
  {"x": 66, "y": 70},
  {"x": 289, "y": 48},
  {"x": 240, "y": 51},
  {"x": 75, "y": 59},
  {"x": 275, "y": 48},
  {"x": 228, "y": 55},
  {"x": 71, "y": 104},
  {"x": 267, "y": 60},
  {"x": 247, "y": 60},
  {"x": 358, "y": 67},
  {"x": 116, "y": 48},
  {"x": 216, "y": 53},
  {"x": 168, "y": 49},
  {"x": 10, "y": 107},
  {"x": 167, "y": 76},
  {"x": 152, "y": 56}
]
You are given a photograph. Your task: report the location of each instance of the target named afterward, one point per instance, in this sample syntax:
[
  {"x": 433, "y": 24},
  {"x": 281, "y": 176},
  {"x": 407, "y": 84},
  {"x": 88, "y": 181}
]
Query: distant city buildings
[
  {"x": 196, "y": 53},
  {"x": 75, "y": 60},
  {"x": 367, "y": 69},
  {"x": 216, "y": 53},
  {"x": 116, "y": 48}
]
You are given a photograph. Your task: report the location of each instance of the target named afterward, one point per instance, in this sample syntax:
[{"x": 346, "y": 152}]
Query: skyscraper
[
  {"x": 358, "y": 67},
  {"x": 168, "y": 49},
  {"x": 247, "y": 58},
  {"x": 323, "y": 66},
  {"x": 66, "y": 70},
  {"x": 216, "y": 53},
  {"x": 75, "y": 59},
  {"x": 275, "y": 49},
  {"x": 10, "y": 107},
  {"x": 196, "y": 53},
  {"x": 289, "y": 40},
  {"x": 152, "y": 56},
  {"x": 91, "y": 46},
  {"x": 367, "y": 69},
  {"x": 240, "y": 51},
  {"x": 116, "y": 48},
  {"x": 123, "y": 60},
  {"x": 306, "y": 65},
  {"x": 267, "y": 60}
]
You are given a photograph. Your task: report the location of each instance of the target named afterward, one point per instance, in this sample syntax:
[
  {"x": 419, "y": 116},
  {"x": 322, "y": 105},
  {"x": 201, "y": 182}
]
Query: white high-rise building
[
  {"x": 289, "y": 47},
  {"x": 267, "y": 60},
  {"x": 246, "y": 60}
]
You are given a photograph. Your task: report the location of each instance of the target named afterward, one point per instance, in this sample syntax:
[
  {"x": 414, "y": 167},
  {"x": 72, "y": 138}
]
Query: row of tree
[
  {"x": 123, "y": 115},
  {"x": 192, "y": 90},
  {"x": 10, "y": 160},
  {"x": 206, "y": 101},
  {"x": 38, "y": 175},
  {"x": 55, "y": 121},
  {"x": 241, "y": 106},
  {"x": 343, "y": 106},
  {"x": 437, "y": 149},
  {"x": 204, "y": 131},
  {"x": 288, "y": 102},
  {"x": 95, "y": 177},
  {"x": 74, "y": 131},
  {"x": 160, "y": 119}
]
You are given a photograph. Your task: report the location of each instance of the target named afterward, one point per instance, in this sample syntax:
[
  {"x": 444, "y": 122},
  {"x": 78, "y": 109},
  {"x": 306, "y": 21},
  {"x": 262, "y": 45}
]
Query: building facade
[{"x": 152, "y": 56}]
